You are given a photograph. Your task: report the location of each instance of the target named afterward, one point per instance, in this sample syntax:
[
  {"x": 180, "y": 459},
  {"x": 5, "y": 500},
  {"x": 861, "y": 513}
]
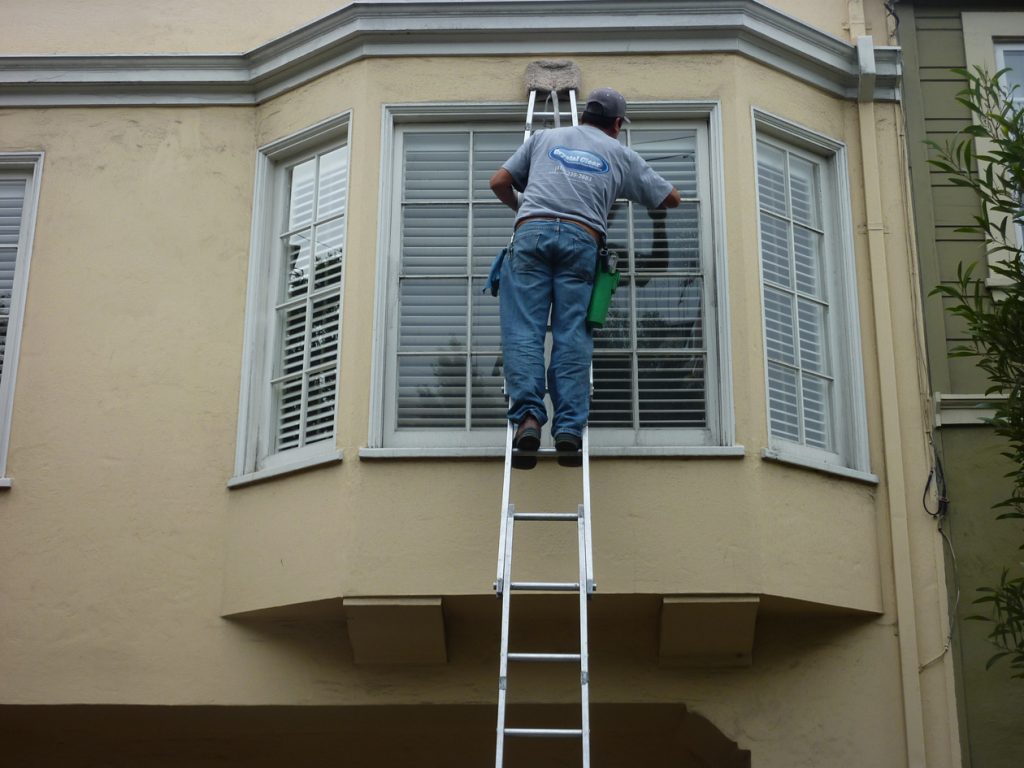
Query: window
[
  {"x": 293, "y": 328},
  {"x": 657, "y": 377},
  {"x": 814, "y": 379},
  {"x": 19, "y": 193},
  {"x": 1011, "y": 57}
]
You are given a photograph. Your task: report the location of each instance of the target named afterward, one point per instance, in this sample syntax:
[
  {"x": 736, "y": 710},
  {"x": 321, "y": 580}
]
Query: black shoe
[
  {"x": 568, "y": 447},
  {"x": 526, "y": 443}
]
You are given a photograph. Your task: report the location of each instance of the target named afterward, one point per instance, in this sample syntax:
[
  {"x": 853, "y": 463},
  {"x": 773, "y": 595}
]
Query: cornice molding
[{"x": 398, "y": 28}]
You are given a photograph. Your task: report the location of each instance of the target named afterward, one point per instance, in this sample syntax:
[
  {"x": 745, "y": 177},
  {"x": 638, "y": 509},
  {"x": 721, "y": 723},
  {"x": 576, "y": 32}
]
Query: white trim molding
[
  {"x": 850, "y": 456},
  {"x": 254, "y": 458},
  {"x": 970, "y": 410},
  {"x": 985, "y": 34},
  {"x": 394, "y": 28},
  {"x": 28, "y": 165}
]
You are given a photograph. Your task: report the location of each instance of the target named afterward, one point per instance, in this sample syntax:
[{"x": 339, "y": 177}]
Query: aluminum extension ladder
[
  {"x": 554, "y": 112},
  {"x": 583, "y": 587},
  {"x": 504, "y": 585}
]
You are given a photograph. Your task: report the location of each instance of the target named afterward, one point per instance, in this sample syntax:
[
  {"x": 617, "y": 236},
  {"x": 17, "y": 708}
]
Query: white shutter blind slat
[
  {"x": 795, "y": 302},
  {"x": 12, "y": 206},
  {"x": 309, "y": 319},
  {"x": 612, "y": 405}
]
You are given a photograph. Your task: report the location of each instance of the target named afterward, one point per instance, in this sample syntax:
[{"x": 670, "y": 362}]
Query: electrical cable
[{"x": 939, "y": 515}]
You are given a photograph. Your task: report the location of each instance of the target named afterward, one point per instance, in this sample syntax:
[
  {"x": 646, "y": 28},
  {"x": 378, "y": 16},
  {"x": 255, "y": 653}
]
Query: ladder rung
[
  {"x": 553, "y": 657},
  {"x": 544, "y": 452},
  {"x": 546, "y": 586},
  {"x": 547, "y": 516},
  {"x": 544, "y": 732}
]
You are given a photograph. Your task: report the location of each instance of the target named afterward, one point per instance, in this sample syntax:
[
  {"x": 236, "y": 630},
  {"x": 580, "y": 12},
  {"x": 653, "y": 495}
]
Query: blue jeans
[{"x": 551, "y": 265}]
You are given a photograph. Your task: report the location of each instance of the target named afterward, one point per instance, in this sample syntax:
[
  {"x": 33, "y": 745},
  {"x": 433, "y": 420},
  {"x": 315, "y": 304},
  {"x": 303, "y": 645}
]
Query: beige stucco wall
[
  {"x": 121, "y": 546},
  {"x": 237, "y": 26}
]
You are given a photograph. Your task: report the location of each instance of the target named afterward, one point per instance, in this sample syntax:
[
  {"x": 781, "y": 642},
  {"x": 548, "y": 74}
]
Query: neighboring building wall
[
  {"x": 134, "y": 577},
  {"x": 933, "y": 39}
]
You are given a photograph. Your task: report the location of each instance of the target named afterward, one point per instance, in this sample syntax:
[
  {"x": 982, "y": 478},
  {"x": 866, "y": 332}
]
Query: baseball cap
[{"x": 606, "y": 102}]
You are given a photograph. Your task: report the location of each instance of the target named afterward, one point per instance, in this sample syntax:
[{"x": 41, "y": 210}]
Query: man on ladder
[{"x": 569, "y": 179}]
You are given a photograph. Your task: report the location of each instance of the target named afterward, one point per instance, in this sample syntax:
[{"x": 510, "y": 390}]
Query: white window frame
[
  {"x": 252, "y": 461},
  {"x": 719, "y": 436},
  {"x": 1018, "y": 99},
  {"x": 850, "y": 411},
  {"x": 986, "y": 35},
  {"x": 29, "y": 167}
]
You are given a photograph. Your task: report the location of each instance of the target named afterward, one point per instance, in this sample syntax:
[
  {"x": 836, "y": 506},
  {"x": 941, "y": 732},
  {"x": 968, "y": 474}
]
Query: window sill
[
  {"x": 5, "y": 482},
  {"x": 239, "y": 481},
  {"x": 647, "y": 452},
  {"x": 771, "y": 454}
]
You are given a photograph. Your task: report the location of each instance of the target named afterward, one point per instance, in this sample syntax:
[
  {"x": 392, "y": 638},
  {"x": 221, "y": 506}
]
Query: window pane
[
  {"x": 292, "y": 356},
  {"x": 333, "y": 187},
  {"x": 617, "y": 238},
  {"x": 3, "y": 341},
  {"x": 433, "y": 315},
  {"x": 297, "y": 261},
  {"x": 492, "y": 228},
  {"x": 775, "y": 250},
  {"x": 288, "y": 396},
  {"x": 612, "y": 405},
  {"x": 320, "y": 411},
  {"x": 488, "y": 400},
  {"x": 817, "y": 411},
  {"x": 436, "y": 166},
  {"x": 807, "y": 252},
  {"x": 673, "y": 154},
  {"x": 323, "y": 340},
  {"x": 813, "y": 337},
  {"x": 486, "y": 320},
  {"x": 779, "y": 326},
  {"x": 668, "y": 313},
  {"x": 434, "y": 239},
  {"x": 615, "y": 334},
  {"x": 490, "y": 150},
  {"x": 667, "y": 240},
  {"x": 330, "y": 238},
  {"x": 672, "y": 391},
  {"x": 12, "y": 203},
  {"x": 302, "y": 182},
  {"x": 431, "y": 391},
  {"x": 782, "y": 402},
  {"x": 804, "y": 192},
  {"x": 1015, "y": 61},
  {"x": 771, "y": 179}
]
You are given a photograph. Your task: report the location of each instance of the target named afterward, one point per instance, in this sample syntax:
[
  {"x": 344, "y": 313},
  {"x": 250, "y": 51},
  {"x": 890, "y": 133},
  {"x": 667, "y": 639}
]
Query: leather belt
[{"x": 585, "y": 227}]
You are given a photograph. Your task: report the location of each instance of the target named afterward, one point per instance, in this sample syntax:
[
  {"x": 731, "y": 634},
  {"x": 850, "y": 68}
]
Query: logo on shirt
[{"x": 579, "y": 160}]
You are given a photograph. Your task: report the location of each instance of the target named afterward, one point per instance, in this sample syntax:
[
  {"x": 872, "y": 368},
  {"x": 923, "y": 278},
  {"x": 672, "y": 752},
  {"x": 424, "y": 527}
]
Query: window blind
[
  {"x": 796, "y": 303},
  {"x": 12, "y": 206},
  {"x": 650, "y": 358},
  {"x": 308, "y": 308},
  {"x": 449, "y": 340}
]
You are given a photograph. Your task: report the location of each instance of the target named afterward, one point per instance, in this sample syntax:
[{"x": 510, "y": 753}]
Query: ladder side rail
[
  {"x": 506, "y": 599},
  {"x": 529, "y": 115},
  {"x": 584, "y": 646},
  {"x": 572, "y": 106},
  {"x": 505, "y": 491},
  {"x": 588, "y": 550}
]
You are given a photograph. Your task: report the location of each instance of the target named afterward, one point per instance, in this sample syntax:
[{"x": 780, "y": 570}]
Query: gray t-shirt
[{"x": 577, "y": 172}]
